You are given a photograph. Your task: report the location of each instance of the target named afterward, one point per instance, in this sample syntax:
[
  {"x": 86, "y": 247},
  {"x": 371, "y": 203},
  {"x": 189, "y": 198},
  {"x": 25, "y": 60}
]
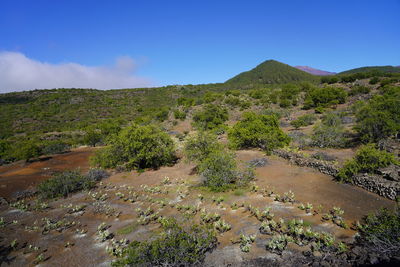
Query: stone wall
[
  {"x": 371, "y": 182},
  {"x": 378, "y": 185},
  {"x": 298, "y": 159}
]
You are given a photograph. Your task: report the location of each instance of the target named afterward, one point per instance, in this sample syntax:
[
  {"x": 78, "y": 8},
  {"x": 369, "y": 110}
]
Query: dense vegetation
[
  {"x": 137, "y": 147},
  {"x": 272, "y": 72},
  {"x": 367, "y": 159},
  {"x": 257, "y": 131},
  {"x": 380, "y": 232},
  {"x": 373, "y": 69},
  {"x": 324, "y": 97},
  {"x": 210, "y": 117},
  {"x": 380, "y": 117}
]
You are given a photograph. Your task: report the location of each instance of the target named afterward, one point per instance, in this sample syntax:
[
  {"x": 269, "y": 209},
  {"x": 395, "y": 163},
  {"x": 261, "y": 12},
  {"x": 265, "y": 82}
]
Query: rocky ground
[{"x": 90, "y": 228}]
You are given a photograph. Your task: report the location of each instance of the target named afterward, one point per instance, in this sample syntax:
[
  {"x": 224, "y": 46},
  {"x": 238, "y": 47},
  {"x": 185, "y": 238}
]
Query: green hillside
[
  {"x": 272, "y": 72},
  {"x": 384, "y": 69}
]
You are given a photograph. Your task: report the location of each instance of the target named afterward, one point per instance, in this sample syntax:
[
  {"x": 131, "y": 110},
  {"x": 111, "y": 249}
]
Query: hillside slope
[
  {"x": 314, "y": 71},
  {"x": 384, "y": 69},
  {"x": 271, "y": 72}
]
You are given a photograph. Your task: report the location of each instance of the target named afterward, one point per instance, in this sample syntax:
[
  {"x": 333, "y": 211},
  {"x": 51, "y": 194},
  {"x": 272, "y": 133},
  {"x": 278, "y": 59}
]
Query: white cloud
[{"x": 18, "y": 73}]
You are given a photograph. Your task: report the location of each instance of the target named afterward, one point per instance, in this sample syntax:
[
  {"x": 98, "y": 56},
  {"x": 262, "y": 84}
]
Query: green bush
[
  {"x": 162, "y": 114},
  {"x": 329, "y": 79},
  {"x": 26, "y": 150},
  {"x": 200, "y": 146},
  {"x": 221, "y": 172},
  {"x": 92, "y": 137},
  {"x": 179, "y": 115},
  {"x": 5, "y": 150},
  {"x": 324, "y": 97},
  {"x": 210, "y": 117},
  {"x": 359, "y": 90},
  {"x": 186, "y": 102},
  {"x": 257, "y": 131},
  {"x": 303, "y": 121},
  {"x": 54, "y": 147},
  {"x": 137, "y": 147},
  {"x": 65, "y": 183},
  {"x": 374, "y": 80},
  {"x": 367, "y": 159},
  {"x": 173, "y": 247},
  {"x": 288, "y": 95},
  {"x": 380, "y": 232},
  {"x": 380, "y": 117},
  {"x": 329, "y": 133}
]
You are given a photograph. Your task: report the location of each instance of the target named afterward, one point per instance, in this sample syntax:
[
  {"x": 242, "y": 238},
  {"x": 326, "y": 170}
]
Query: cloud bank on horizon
[{"x": 20, "y": 73}]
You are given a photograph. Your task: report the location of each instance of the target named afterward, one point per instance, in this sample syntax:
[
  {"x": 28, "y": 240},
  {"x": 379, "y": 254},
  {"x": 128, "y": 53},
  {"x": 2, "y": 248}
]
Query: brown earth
[
  {"x": 307, "y": 184},
  {"x": 23, "y": 176}
]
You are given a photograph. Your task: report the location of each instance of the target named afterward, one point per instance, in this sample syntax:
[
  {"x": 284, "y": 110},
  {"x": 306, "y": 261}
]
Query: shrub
[
  {"x": 179, "y": 115},
  {"x": 380, "y": 117},
  {"x": 329, "y": 80},
  {"x": 374, "y": 80},
  {"x": 55, "y": 147},
  {"x": 324, "y": 97},
  {"x": 329, "y": 133},
  {"x": 288, "y": 95},
  {"x": 96, "y": 174},
  {"x": 137, "y": 147},
  {"x": 186, "y": 102},
  {"x": 210, "y": 117},
  {"x": 174, "y": 247},
  {"x": 92, "y": 137},
  {"x": 65, "y": 183},
  {"x": 367, "y": 159},
  {"x": 380, "y": 232},
  {"x": 260, "y": 131},
  {"x": 359, "y": 89},
  {"x": 5, "y": 150},
  {"x": 27, "y": 150},
  {"x": 162, "y": 114},
  {"x": 210, "y": 97},
  {"x": 221, "y": 172},
  {"x": 200, "y": 146},
  {"x": 303, "y": 121}
]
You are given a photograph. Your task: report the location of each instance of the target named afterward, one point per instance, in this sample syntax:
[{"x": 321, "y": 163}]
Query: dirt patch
[{"x": 23, "y": 176}]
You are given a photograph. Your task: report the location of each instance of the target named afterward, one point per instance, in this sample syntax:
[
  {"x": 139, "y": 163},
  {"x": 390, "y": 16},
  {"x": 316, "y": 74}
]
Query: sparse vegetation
[
  {"x": 67, "y": 182},
  {"x": 174, "y": 247}
]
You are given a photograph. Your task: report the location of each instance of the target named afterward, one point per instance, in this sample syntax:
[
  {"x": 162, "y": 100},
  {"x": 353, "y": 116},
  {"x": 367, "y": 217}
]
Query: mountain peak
[
  {"x": 314, "y": 71},
  {"x": 270, "y": 72}
]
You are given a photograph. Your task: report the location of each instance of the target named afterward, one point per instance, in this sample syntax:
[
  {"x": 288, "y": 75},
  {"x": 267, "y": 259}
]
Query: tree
[{"x": 92, "y": 137}]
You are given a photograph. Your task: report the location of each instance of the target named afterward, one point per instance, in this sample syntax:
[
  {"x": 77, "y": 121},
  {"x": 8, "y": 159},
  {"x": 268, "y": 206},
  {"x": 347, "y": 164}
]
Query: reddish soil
[
  {"x": 307, "y": 184},
  {"x": 22, "y": 176}
]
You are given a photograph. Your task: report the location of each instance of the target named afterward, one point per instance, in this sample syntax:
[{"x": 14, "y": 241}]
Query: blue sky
[{"x": 181, "y": 42}]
